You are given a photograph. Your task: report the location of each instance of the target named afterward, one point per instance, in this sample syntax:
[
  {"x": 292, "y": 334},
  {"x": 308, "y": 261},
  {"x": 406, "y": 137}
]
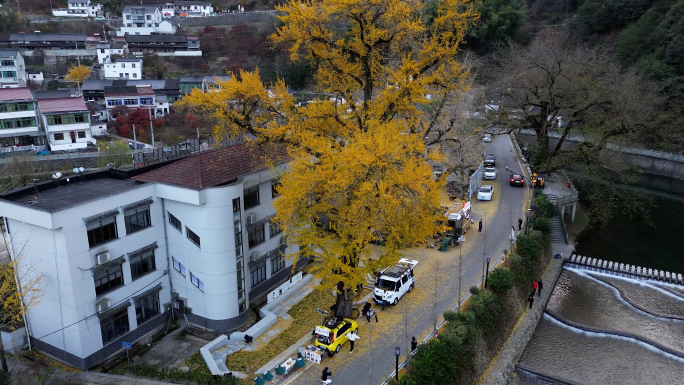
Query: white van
[{"x": 394, "y": 282}]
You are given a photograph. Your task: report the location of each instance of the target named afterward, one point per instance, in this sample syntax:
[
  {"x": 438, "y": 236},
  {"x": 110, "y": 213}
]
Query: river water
[
  {"x": 650, "y": 241},
  {"x": 603, "y": 329}
]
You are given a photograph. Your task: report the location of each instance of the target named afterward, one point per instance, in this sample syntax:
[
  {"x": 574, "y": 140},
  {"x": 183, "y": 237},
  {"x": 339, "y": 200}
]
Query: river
[{"x": 650, "y": 241}]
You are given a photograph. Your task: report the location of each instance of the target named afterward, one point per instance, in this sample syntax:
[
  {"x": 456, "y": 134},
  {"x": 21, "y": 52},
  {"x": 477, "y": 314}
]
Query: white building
[
  {"x": 12, "y": 69},
  {"x": 106, "y": 50},
  {"x": 119, "y": 252},
  {"x": 79, "y": 8},
  {"x": 66, "y": 121},
  {"x": 123, "y": 68},
  {"x": 35, "y": 76},
  {"x": 192, "y": 8},
  {"x": 144, "y": 20},
  {"x": 18, "y": 119},
  {"x": 142, "y": 96}
]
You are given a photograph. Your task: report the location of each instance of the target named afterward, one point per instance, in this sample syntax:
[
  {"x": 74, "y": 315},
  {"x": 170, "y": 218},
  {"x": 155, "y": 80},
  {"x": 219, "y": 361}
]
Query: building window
[
  {"x": 195, "y": 281},
  {"x": 175, "y": 222},
  {"x": 146, "y": 307},
  {"x": 108, "y": 278},
  {"x": 275, "y": 185},
  {"x": 149, "y": 17},
  {"x": 129, "y": 102},
  {"x": 258, "y": 274},
  {"x": 194, "y": 238},
  {"x": 147, "y": 101},
  {"x": 179, "y": 266},
  {"x": 142, "y": 264},
  {"x": 114, "y": 325},
  {"x": 81, "y": 134},
  {"x": 274, "y": 229},
  {"x": 137, "y": 219},
  {"x": 236, "y": 205},
  {"x": 101, "y": 231},
  {"x": 251, "y": 197},
  {"x": 277, "y": 263},
  {"x": 240, "y": 279},
  {"x": 128, "y": 17},
  {"x": 135, "y": 75},
  {"x": 59, "y": 136},
  {"x": 256, "y": 235}
]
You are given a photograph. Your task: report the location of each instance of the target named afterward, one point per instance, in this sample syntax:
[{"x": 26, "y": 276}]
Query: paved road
[{"x": 437, "y": 286}]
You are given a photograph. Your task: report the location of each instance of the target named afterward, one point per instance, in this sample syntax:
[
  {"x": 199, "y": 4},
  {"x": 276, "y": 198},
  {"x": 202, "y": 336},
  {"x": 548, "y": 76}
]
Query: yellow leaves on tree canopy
[
  {"x": 15, "y": 304},
  {"x": 360, "y": 169},
  {"x": 78, "y": 74}
]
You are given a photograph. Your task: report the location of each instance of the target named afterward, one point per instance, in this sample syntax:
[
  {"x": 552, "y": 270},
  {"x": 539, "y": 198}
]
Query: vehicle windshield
[
  {"x": 485, "y": 189},
  {"x": 385, "y": 284},
  {"x": 490, "y": 169},
  {"x": 489, "y": 157}
]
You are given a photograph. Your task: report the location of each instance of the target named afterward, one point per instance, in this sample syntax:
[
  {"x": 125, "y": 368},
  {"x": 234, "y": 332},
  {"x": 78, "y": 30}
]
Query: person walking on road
[
  {"x": 520, "y": 222},
  {"x": 479, "y": 227},
  {"x": 540, "y": 286},
  {"x": 534, "y": 287},
  {"x": 325, "y": 375},
  {"x": 352, "y": 336},
  {"x": 414, "y": 344},
  {"x": 370, "y": 314},
  {"x": 531, "y": 299}
]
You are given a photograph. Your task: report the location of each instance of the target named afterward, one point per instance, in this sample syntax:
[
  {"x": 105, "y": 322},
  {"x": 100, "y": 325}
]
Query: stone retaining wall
[
  {"x": 504, "y": 364},
  {"x": 228, "y": 19}
]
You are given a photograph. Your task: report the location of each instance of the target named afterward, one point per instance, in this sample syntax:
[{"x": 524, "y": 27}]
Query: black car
[
  {"x": 489, "y": 160},
  {"x": 517, "y": 180}
]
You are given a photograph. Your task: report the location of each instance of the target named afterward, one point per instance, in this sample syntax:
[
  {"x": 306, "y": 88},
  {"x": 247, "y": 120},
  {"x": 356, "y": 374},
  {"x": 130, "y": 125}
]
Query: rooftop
[
  {"x": 129, "y": 59},
  {"x": 192, "y": 79},
  {"x": 61, "y": 105},
  {"x": 21, "y": 93},
  {"x": 147, "y": 8},
  {"x": 55, "y": 94},
  {"x": 128, "y": 90},
  {"x": 66, "y": 37},
  {"x": 185, "y": 2},
  {"x": 60, "y": 195},
  {"x": 142, "y": 39},
  {"x": 9, "y": 53},
  {"x": 217, "y": 167}
]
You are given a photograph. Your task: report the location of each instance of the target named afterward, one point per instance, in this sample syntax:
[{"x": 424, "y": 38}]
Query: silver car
[{"x": 490, "y": 173}]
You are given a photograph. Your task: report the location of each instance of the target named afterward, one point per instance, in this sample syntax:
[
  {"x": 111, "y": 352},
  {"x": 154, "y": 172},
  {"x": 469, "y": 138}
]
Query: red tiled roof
[
  {"x": 21, "y": 93},
  {"x": 216, "y": 167},
  {"x": 61, "y": 105}
]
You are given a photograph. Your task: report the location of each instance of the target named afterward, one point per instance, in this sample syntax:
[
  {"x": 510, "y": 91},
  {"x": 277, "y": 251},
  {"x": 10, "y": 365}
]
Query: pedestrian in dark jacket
[
  {"x": 534, "y": 287},
  {"x": 479, "y": 227},
  {"x": 364, "y": 311},
  {"x": 325, "y": 375},
  {"x": 531, "y": 299},
  {"x": 414, "y": 344},
  {"x": 520, "y": 222},
  {"x": 540, "y": 286}
]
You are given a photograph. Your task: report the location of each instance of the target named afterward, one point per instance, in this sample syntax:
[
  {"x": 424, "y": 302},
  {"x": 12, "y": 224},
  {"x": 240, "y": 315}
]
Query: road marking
[{"x": 290, "y": 379}]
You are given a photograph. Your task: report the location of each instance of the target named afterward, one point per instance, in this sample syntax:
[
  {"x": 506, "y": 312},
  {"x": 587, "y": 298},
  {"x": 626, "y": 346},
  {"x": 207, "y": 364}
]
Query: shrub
[
  {"x": 521, "y": 268},
  {"x": 486, "y": 309},
  {"x": 501, "y": 281},
  {"x": 544, "y": 208},
  {"x": 542, "y": 224},
  {"x": 474, "y": 290},
  {"x": 527, "y": 247}
]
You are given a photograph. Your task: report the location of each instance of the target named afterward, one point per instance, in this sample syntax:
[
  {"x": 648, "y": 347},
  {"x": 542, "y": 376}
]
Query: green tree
[
  {"x": 501, "y": 281},
  {"x": 499, "y": 20}
]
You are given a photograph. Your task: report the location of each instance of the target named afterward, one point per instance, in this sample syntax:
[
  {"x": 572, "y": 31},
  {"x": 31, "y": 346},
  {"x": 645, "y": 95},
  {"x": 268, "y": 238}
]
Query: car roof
[
  {"x": 516, "y": 174},
  {"x": 488, "y": 186},
  {"x": 490, "y": 155},
  {"x": 490, "y": 168},
  {"x": 333, "y": 323}
]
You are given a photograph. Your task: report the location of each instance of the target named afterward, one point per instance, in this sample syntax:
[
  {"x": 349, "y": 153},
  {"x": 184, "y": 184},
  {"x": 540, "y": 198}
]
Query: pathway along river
[{"x": 604, "y": 329}]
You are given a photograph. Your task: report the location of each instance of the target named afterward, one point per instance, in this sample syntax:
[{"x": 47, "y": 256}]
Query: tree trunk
[
  {"x": 3, "y": 358},
  {"x": 345, "y": 300}
]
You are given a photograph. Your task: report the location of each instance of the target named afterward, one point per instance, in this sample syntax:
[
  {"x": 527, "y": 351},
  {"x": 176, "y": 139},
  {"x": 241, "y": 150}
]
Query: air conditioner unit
[
  {"x": 252, "y": 218},
  {"x": 102, "y": 305},
  {"x": 102, "y": 257},
  {"x": 254, "y": 256}
]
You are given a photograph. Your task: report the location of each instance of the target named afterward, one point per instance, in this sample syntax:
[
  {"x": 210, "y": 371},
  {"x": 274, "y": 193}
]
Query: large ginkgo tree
[{"x": 361, "y": 156}]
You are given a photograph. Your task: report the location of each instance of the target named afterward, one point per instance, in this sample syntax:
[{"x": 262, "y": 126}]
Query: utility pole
[
  {"x": 151, "y": 125},
  {"x": 484, "y": 246}
]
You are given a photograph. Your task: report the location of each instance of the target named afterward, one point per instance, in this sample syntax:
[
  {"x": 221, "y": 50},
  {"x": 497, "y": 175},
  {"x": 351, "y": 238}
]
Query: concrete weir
[{"x": 625, "y": 269}]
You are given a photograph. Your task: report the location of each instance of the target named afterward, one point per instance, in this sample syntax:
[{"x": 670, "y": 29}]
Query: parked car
[
  {"x": 485, "y": 193},
  {"x": 394, "y": 282},
  {"x": 99, "y": 18},
  {"x": 487, "y": 138},
  {"x": 333, "y": 334},
  {"x": 490, "y": 173},
  {"x": 135, "y": 145},
  {"x": 517, "y": 180},
  {"x": 490, "y": 160}
]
